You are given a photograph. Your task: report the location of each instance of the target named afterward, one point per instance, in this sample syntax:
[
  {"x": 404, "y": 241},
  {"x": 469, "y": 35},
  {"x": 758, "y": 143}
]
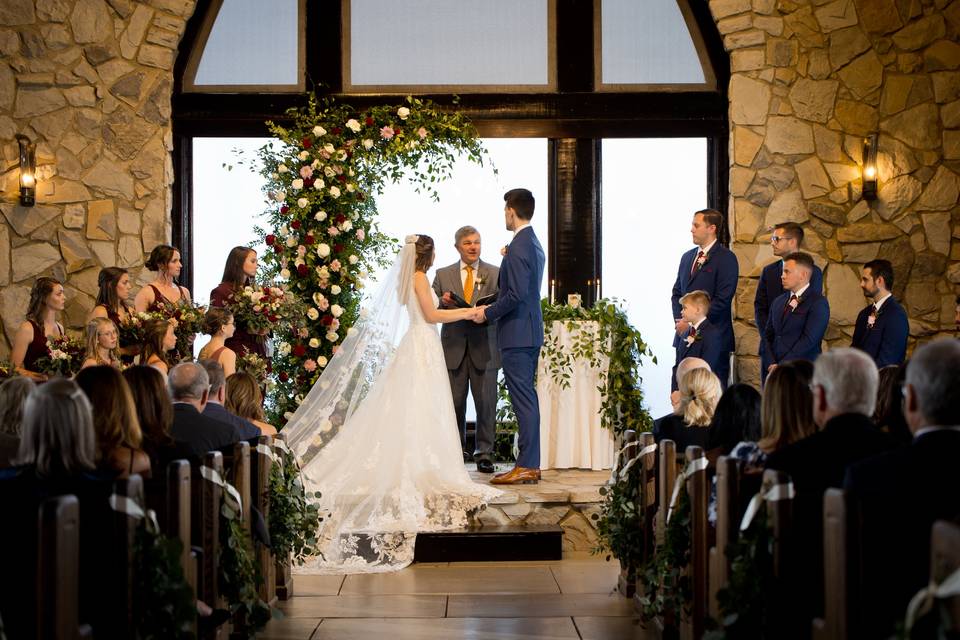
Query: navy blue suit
[
  {"x": 718, "y": 277},
  {"x": 886, "y": 341},
  {"x": 520, "y": 335},
  {"x": 768, "y": 289},
  {"x": 706, "y": 346},
  {"x": 796, "y": 335}
]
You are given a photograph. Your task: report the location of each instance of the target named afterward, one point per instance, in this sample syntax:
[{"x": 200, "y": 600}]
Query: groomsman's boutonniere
[
  {"x": 872, "y": 318},
  {"x": 693, "y": 337},
  {"x": 702, "y": 260},
  {"x": 793, "y": 304}
]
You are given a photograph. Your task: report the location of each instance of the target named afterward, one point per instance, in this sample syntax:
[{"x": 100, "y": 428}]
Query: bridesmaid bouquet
[
  {"x": 131, "y": 328},
  {"x": 255, "y": 366},
  {"x": 64, "y": 357},
  {"x": 189, "y": 317},
  {"x": 264, "y": 309}
]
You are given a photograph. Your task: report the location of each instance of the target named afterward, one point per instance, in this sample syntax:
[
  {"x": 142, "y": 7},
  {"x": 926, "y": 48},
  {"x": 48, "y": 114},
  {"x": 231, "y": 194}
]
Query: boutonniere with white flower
[
  {"x": 479, "y": 280},
  {"x": 793, "y": 304},
  {"x": 691, "y": 340},
  {"x": 702, "y": 260},
  {"x": 872, "y": 318}
]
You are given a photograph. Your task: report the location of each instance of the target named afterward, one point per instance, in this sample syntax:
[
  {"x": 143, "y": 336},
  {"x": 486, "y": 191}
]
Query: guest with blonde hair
[
  {"x": 102, "y": 344},
  {"x": 699, "y": 394},
  {"x": 244, "y": 400}
]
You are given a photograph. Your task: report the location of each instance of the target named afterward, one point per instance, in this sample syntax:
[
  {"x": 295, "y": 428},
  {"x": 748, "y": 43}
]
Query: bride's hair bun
[{"x": 411, "y": 239}]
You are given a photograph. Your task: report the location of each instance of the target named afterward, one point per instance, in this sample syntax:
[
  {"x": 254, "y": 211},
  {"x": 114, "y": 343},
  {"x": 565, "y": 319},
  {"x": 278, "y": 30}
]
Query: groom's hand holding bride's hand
[{"x": 479, "y": 315}]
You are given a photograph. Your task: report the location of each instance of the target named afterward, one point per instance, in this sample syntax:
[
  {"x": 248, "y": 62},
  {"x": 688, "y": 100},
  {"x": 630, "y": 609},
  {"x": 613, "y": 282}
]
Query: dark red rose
[
  {"x": 360, "y": 197},
  {"x": 295, "y": 224},
  {"x": 326, "y": 321},
  {"x": 284, "y": 209},
  {"x": 278, "y": 248},
  {"x": 270, "y": 239},
  {"x": 342, "y": 178},
  {"x": 341, "y": 218},
  {"x": 269, "y": 367},
  {"x": 307, "y": 143},
  {"x": 309, "y": 239},
  {"x": 307, "y": 183},
  {"x": 349, "y": 153},
  {"x": 397, "y": 131},
  {"x": 283, "y": 376},
  {"x": 272, "y": 318},
  {"x": 299, "y": 350},
  {"x": 338, "y": 248},
  {"x": 303, "y": 269},
  {"x": 368, "y": 121},
  {"x": 336, "y": 131}
]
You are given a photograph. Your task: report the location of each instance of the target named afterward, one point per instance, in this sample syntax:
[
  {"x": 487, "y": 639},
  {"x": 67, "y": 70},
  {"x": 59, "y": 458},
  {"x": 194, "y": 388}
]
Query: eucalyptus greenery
[
  {"x": 615, "y": 339},
  {"x": 294, "y": 520},
  {"x": 619, "y": 527},
  {"x": 667, "y": 589},
  {"x": 164, "y": 604},
  {"x": 238, "y": 572},
  {"x": 507, "y": 425}
]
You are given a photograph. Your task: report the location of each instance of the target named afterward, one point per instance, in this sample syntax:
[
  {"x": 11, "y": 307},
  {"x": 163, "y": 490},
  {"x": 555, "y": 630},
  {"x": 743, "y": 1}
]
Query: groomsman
[
  {"x": 711, "y": 268},
  {"x": 701, "y": 340},
  {"x": 470, "y": 349},
  {"x": 786, "y": 239},
  {"x": 882, "y": 326},
  {"x": 798, "y": 317}
]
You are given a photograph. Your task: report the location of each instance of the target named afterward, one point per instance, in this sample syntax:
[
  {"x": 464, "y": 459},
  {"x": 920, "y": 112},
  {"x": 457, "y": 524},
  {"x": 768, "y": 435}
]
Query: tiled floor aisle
[{"x": 571, "y": 599}]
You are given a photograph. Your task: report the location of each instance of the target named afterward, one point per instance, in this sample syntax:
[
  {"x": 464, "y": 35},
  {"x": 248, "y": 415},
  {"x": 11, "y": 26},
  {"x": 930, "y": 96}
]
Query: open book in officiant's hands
[{"x": 460, "y": 303}]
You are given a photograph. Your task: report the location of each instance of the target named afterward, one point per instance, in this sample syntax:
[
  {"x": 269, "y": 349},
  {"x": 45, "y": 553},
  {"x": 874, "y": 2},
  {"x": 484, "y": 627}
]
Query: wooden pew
[
  {"x": 283, "y": 572},
  {"x": 205, "y": 527},
  {"x": 698, "y": 490},
  {"x": 236, "y": 465},
  {"x": 58, "y": 571},
  {"x": 648, "y": 504},
  {"x": 783, "y": 548},
  {"x": 261, "y": 464},
  {"x": 944, "y": 560},
  {"x": 120, "y": 565},
  {"x": 626, "y": 583},
  {"x": 666, "y": 476},
  {"x": 727, "y": 527}
]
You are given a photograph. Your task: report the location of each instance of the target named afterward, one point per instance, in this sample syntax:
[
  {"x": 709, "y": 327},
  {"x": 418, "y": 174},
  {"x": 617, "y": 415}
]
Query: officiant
[{"x": 470, "y": 349}]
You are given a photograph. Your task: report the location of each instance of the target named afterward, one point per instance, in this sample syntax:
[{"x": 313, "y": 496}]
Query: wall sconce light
[
  {"x": 28, "y": 171},
  {"x": 870, "y": 167}
]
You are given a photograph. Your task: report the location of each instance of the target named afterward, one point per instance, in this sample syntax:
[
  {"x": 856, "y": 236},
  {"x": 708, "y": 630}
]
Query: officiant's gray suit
[{"x": 472, "y": 355}]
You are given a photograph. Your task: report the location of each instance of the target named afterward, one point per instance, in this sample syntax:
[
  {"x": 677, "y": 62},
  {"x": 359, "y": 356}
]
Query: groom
[{"x": 520, "y": 331}]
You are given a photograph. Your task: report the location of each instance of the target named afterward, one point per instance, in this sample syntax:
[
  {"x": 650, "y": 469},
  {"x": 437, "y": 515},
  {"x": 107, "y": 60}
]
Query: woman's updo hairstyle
[
  {"x": 160, "y": 257},
  {"x": 424, "y": 253}
]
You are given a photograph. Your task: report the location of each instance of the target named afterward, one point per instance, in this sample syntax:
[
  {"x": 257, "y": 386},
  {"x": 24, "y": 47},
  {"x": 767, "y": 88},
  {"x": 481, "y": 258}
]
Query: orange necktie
[{"x": 468, "y": 285}]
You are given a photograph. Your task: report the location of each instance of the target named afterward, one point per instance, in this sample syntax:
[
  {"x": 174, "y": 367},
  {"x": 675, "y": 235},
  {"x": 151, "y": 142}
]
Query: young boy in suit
[{"x": 701, "y": 339}]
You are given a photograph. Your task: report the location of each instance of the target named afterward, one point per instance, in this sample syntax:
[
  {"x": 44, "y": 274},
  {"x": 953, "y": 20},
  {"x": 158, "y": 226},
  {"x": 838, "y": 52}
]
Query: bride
[{"x": 377, "y": 434}]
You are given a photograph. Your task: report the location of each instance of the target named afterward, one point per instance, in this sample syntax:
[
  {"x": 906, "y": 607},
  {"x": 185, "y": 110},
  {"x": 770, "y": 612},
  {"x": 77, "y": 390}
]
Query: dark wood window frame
[{"x": 574, "y": 119}]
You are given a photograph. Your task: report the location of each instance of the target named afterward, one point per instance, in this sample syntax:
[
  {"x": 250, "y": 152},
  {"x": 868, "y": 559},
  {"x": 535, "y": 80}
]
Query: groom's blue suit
[{"x": 520, "y": 334}]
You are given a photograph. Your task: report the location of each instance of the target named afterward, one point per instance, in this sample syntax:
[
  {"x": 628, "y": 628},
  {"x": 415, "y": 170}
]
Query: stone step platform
[{"x": 511, "y": 543}]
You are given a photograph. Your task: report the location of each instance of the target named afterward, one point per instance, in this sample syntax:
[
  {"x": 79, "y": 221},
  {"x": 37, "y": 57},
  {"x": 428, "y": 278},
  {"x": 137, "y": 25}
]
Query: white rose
[
  {"x": 312, "y": 313},
  {"x": 315, "y": 163},
  {"x": 318, "y": 184},
  {"x": 336, "y": 310},
  {"x": 285, "y": 274},
  {"x": 341, "y": 155},
  {"x": 284, "y": 348},
  {"x": 280, "y": 196},
  {"x": 351, "y": 173},
  {"x": 329, "y": 148},
  {"x": 332, "y": 336},
  {"x": 353, "y": 259},
  {"x": 335, "y": 192},
  {"x": 403, "y": 112},
  {"x": 320, "y": 216},
  {"x": 353, "y": 125},
  {"x": 323, "y": 250},
  {"x": 335, "y": 289},
  {"x": 297, "y": 184},
  {"x": 302, "y": 203},
  {"x": 283, "y": 168},
  {"x": 274, "y": 175},
  {"x": 351, "y": 187},
  {"x": 314, "y": 343},
  {"x": 329, "y": 172},
  {"x": 321, "y": 361},
  {"x": 319, "y": 131},
  {"x": 303, "y": 155},
  {"x": 284, "y": 230},
  {"x": 291, "y": 241},
  {"x": 298, "y": 262},
  {"x": 368, "y": 144},
  {"x": 346, "y": 226}
]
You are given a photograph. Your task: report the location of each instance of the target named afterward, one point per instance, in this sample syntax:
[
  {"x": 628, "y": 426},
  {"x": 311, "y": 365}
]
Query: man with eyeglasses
[{"x": 786, "y": 239}]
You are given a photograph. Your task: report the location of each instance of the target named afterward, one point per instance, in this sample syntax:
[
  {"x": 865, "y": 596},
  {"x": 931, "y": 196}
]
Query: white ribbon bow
[
  {"x": 129, "y": 507},
  {"x": 776, "y": 493},
  {"x": 263, "y": 449},
  {"x": 647, "y": 450},
  {"x": 921, "y": 603},
  {"x": 694, "y": 466},
  {"x": 211, "y": 475}
]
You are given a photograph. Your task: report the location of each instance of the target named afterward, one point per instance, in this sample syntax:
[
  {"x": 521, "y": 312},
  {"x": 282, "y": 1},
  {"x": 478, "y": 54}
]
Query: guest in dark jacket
[
  {"x": 799, "y": 317},
  {"x": 901, "y": 493},
  {"x": 882, "y": 328},
  {"x": 246, "y": 430},
  {"x": 844, "y": 396},
  {"x": 13, "y": 395},
  {"x": 189, "y": 388},
  {"x": 701, "y": 339},
  {"x": 699, "y": 394}
]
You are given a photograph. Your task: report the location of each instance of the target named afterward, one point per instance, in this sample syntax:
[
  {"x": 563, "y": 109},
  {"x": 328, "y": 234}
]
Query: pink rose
[
  {"x": 333, "y": 231},
  {"x": 324, "y": 305},
  {"x": 335, "y": 324},
  {"x": 335, "y": 265},
  {"x": 386, "y": 132},
  {"x": 310, "y": 365},
  {"x": 306, "y": 171},
  {"x": 360, "y": 234},
  {"x": 422, "y": 133},
  {"x": 336, "y": 348},
  {"x": 304, "y": 332},
  {"x": 301, "y": 251}
]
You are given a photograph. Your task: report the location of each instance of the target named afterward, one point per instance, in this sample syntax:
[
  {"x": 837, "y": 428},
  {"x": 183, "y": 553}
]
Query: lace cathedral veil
[{"x": 358, "y": 362}]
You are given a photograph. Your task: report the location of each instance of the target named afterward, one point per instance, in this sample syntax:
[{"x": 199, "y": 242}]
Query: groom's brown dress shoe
[{"x": 517, "y": 475}]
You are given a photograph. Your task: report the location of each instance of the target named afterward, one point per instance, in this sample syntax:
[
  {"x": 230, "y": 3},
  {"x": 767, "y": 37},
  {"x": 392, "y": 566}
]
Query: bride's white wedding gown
[{"x": 395, "y": 466}]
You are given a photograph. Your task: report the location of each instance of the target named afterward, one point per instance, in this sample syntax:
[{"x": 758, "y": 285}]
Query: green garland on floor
[
  {"x": 623, "y": 346},
  {"x": 238, "y": 572},
  {"x": 620, "y": 529},
  {"x": 667, "y": 590},
  {"x": 294, "y": 520}
]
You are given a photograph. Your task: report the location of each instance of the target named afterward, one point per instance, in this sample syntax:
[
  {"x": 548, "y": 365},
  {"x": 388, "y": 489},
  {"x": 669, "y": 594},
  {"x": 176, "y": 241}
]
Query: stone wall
[
  {"x": 809, "y": 80},
  {"x": 90, "y": 82}
]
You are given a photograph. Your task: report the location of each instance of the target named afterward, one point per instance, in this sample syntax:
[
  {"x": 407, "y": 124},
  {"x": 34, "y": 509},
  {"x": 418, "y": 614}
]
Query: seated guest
[
  {"x": 902, "y": 492},
  {"x": 30, "y": 342},
  {"x": 882, "y": 329},
  {"x": 786, "y": 416},
  {"x": 114, "y": 421},
  {"x": 218, "y": 323},
  {"x": 159, "y": 339},
  {"x": 799, "y": 317},
  {"x": 246, "y": 430},
  {"x": 736, "y": 419},
  {"x": 700, "y": 340},
  {"x": 844, "y": 397},
  {"x": 102, "y": 344},
  {"x": 244, "y": 400},
  {"x": 888, "y": 415},
  {"x": 155, "y": 415},
  {"x": 189, "y": 389},
  {"x": 686, "y": 365},
  {"x": 699, "y": 394},
  {"x": 13, "y": 395},
  {"x": 56, "y": 457}
]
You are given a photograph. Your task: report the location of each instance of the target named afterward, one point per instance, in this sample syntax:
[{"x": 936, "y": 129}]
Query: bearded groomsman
[
  {"x": 786, "y": 239},
  {"x": 713, "y": 269},
  {"x": 882, "y": 326},
  {"x": 798, "y": 317},
  {"x": 470, "y": 349}
]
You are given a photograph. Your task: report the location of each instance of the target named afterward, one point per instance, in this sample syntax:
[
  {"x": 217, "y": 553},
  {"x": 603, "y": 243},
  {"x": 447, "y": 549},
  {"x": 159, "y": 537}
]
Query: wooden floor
[{"x": 572, "y": 598}]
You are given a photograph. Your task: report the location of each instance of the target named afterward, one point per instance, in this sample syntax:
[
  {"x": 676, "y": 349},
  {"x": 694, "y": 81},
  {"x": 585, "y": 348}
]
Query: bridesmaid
[
  {"x": 165, "y": 260},
  {"x": 30, "y": 342},
  {"x": 159, "y": 337},
  {"x": 102, "y": 340},
  {"x": 239, "y": 272},
  {"x": 218, "y": 323},
  {"x": 112, "y": 304}
]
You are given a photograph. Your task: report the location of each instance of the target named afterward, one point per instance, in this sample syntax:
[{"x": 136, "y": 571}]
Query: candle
[{"x": 553, "y": 290}]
